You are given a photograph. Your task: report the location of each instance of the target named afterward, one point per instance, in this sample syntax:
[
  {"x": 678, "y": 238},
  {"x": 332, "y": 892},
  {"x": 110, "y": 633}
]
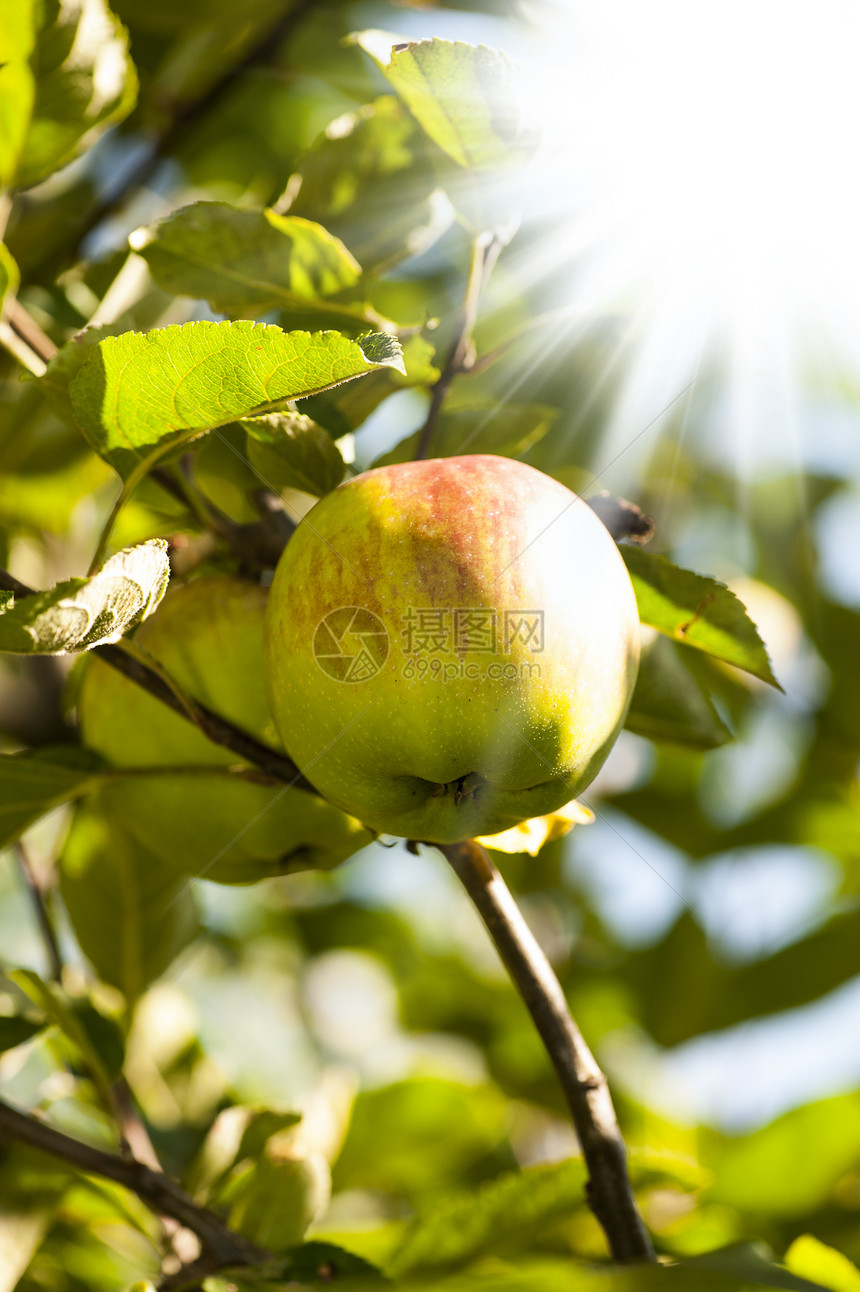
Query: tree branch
[
  {"x": 217, "y": 729},
  {"x": 609, "y": 1192},
  {"x": 161, "y": 1194},
  {"x": 485, "y": 252}
]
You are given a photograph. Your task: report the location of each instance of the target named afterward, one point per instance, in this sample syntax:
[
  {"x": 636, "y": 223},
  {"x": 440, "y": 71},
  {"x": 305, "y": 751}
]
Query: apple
[
  {"x": 208, "y": 635},
  {"x": 450, "y": 646}
]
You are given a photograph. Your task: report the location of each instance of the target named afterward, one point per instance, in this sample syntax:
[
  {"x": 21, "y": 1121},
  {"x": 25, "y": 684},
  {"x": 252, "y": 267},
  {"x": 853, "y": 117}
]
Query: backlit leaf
[
  {"x": 464, "y": 96},
  {"x": 143, "y": 391}
]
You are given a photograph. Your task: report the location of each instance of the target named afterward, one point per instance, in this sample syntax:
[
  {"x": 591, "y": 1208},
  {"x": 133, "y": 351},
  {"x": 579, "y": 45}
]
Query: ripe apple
[
  {"x": 209, "y": 636},
  {"x": 451, "y": 646}
]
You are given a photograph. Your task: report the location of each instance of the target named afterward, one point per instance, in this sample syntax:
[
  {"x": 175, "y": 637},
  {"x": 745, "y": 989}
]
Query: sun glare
[{"x": 699, "y": 165}]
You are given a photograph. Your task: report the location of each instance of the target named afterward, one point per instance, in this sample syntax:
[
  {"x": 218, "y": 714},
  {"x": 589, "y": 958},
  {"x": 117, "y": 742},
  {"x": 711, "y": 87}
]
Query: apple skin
[
  {"x": 446, "y": 755},
  {"x": 208, "y": 635}
]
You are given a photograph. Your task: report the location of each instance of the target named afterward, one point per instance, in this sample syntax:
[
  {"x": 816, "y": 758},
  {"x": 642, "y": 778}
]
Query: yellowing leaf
[
  {"x": 814, "y": 1260},
  {"x": 530, "y": 836}
]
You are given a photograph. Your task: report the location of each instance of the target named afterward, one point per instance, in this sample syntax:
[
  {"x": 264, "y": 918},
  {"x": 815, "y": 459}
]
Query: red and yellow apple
[{"x": 451, "y": 646}]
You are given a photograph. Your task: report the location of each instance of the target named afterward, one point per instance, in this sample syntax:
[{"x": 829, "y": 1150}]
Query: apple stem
[{"x": 608, "y": 1190}]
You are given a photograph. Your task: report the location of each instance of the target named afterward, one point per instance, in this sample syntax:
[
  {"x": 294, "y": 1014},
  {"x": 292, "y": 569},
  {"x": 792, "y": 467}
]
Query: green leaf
[
  {"x": 15, "y": 1030},
  {"x": 312, "y": 1267},
  {"x": 276, "y": 1199},
  {"x": 465, "y": 97},
  {"x": 262, "y": 1124},
  {"x": 31, "y": 1187},
  {"x": 514, "y": 1206},
  {"x": 95, "y": 1037},
  {"x": 420, "y": 1136},
  {"x": 246, "y": 263},
  {"x": 224, "y": 474},
  {"x": 17, "y": 83},
  {"x": 131, "y": 913},
  {"x": 757, "y": 1172},
  {"x": 291, "y": 452},
  {"x": 65, "y": 366},
  {"x": 825, "y": 1265},
  {"x": 35, "y": 781},
  {"x": 238, "y": 1133},
  {"x": 85, "y": 82},
  {"x": 345, "y": 409},
  {"x": 370, "y": 181},
  {"x": 140, "y": 392},
  {"x": 9, "y": 276},
  {"x": 670, "y": 704},
  {"x": 744, "y": 1268},
  {"x": 505, "y": 429},
  {"x": 683, "y": 991},
  {"x": 82, "y": 613},
  {"x": 744, "y": 1265},
  {"x": 696, "y": 610}
]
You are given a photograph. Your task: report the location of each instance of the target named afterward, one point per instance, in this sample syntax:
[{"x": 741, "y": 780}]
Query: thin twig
[
  {"x": 46, "y": 927},
  {"x": 609, "y": 1192},
  {"x": 160, "y": 1193},
  {"x": 188, "y": 115},
  {"x": 185, "y": 1246},
  {"x": 26, "y": 327},
  {"x": 217, "y": 729},
  {"x": 20, "y": 350},
  {"x": 485, "y": 251}
]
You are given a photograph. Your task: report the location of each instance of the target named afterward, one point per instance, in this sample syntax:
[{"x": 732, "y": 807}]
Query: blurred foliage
[{"x": 336, "y": 1053}]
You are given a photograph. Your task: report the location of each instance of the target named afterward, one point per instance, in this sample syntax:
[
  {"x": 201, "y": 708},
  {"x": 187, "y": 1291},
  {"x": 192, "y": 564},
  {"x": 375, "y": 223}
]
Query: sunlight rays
[{"x": 696, "y": 175}]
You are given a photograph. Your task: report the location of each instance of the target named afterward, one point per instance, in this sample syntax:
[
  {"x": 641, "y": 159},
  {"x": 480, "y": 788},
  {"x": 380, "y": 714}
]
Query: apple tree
[{"x": 306, "y": 983}]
